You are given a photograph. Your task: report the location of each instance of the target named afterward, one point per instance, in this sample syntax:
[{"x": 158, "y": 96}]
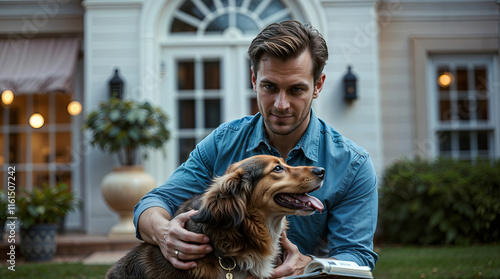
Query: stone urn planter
[
  {"x": 122, "y": 189},
  {"x": 126, "y": 128}
]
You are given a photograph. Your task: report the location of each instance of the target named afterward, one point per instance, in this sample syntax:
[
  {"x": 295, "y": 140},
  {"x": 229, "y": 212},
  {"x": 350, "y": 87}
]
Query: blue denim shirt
[{"x": 346, "y": 227}]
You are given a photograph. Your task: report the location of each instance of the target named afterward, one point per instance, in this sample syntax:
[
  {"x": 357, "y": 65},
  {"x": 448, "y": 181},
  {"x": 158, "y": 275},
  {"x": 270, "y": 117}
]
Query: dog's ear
[{"x": 224, "y": 204}]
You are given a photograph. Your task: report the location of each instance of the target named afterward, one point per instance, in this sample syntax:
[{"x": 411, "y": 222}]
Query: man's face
[{"x": 285, "y": 90}]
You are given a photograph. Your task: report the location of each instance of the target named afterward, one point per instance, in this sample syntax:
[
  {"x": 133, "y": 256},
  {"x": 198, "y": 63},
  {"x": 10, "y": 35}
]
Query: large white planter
[{"x": 122, "y": 189}]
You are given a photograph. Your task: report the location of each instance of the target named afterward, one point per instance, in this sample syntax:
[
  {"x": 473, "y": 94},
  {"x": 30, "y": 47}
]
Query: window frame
[
  {"x": 455, "y": 125},
  {"x": 422, "y": 47}
]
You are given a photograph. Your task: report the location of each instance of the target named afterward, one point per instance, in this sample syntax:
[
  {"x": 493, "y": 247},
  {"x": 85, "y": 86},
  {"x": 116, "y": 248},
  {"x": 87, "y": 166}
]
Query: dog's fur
[{"x": 243, "y": 213}]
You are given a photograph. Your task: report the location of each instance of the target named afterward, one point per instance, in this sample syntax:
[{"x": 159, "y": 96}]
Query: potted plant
[
  {"x": 40, "y": 211},
  {"x": 126, "y": 128}
]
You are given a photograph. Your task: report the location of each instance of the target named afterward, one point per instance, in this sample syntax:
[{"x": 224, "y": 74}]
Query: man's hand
[
  {"x": 294, "y": 262},
  {"x": 171, "y": 236}
]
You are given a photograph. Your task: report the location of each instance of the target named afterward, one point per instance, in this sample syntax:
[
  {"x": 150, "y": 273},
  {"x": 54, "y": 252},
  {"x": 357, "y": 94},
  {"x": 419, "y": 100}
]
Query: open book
[{"x": 328, "y": 268}]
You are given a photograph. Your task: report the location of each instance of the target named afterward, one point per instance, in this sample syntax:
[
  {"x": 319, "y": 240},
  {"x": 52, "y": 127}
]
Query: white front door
[
  {"x": 203, "y": 87},
  {"x": 206, "y": 78}
]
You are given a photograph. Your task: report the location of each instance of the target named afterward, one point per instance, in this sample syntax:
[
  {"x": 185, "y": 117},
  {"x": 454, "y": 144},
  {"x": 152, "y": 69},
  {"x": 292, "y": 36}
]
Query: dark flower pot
[{"x": 38, "y": 243}]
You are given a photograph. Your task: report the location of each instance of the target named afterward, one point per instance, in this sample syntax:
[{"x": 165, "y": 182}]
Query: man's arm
[
  {"x": 153, "y": 215},
  {"x": 353, "y": 222},
  {"x": 156, "y": 227}
]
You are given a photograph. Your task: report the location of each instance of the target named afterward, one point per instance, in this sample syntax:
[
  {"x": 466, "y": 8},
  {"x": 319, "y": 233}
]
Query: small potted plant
[
  {"x": 40, "y": 211},
  {"x": 126, "y": 128}
]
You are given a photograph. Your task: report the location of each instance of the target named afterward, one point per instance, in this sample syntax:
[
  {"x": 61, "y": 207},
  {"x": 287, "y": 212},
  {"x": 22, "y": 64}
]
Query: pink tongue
[{"x": 310, "y": 200}]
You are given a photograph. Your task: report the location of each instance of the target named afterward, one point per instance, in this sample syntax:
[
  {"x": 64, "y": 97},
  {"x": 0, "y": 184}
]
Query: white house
[{"x": 427, "y": 78}]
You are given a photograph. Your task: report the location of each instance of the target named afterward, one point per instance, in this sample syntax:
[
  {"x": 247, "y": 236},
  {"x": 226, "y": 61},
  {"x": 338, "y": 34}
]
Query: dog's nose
[{"x": 320, "y": 172}]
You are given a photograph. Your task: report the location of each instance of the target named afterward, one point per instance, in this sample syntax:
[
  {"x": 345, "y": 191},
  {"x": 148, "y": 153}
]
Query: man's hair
[{"x": 287, "y": 40}]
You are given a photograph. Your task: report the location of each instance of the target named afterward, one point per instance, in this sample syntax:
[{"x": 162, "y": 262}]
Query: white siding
[
  {"x": 111, "y": 40},
  {"x": 353, "y": 40},
  {"x": 409, "y": 19}
]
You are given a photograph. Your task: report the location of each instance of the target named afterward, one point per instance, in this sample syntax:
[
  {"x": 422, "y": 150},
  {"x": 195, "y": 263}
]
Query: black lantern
[
  {"x": 350, "y": 92},
  {"x": 116, "y": 86}
]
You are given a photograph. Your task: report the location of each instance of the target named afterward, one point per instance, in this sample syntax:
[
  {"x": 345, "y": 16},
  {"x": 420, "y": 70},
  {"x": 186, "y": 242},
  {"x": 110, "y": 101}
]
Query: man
[{"x": 287, "y": 74}]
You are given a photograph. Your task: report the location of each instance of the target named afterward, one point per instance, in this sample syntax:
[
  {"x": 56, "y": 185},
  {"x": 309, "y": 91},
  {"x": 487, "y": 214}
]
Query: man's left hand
[{"x": 293, "y": 261}]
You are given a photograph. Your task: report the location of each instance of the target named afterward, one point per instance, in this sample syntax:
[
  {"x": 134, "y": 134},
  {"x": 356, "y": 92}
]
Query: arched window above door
[{"x": 215, "y": 17}]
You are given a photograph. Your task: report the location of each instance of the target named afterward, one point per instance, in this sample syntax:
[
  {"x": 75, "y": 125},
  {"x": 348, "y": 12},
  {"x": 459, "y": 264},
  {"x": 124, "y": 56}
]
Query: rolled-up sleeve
[{"x": 190, "y": 179}]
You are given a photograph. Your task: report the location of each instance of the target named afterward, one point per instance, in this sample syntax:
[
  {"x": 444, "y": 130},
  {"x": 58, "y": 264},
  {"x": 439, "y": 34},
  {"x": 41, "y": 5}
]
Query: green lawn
[
  {"x": 55, "y": 271},
  {"x": 394, "y": 262},
  {"x": 438, "y": 262}
]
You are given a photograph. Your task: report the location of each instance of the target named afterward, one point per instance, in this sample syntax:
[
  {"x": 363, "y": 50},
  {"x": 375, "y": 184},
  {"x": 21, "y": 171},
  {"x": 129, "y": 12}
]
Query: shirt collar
[
  {"x": 258, "y": 136},
  {"x": 308, "y": 144}
]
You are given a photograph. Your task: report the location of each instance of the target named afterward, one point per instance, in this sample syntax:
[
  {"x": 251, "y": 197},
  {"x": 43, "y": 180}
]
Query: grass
[
  {"x": 55, "y": 271},
  {"x": 438, "y": 262},
  {"x": 394, "y": 262}
]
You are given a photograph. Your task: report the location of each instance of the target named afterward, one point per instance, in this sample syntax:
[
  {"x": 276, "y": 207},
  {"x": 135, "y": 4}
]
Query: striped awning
[{"x": 29, "y": 66}]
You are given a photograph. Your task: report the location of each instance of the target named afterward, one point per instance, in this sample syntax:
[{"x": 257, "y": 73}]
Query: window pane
[
  {"x": 41, "y": 105},
  {"x": 2, "y": 156},
  {"x": 209, "y": 4},
  {"x": 63, "y": 148},
  {"x": 185, "y": 75},
  {"x": 481, "y": 93},
  {"x": 179, "y": 26},
  {"x": 464, "y": 110},
  {"x": 444, "y": 141},
  {"x": 189, "y": 8},
  {"x": 211, "y": 71},
  {"x": 62, "y": 115},
  {"x": 462, "y": 79},
  {"x": 186, "y": 145},
  {"x": 40, "y": 178},
  {"x": 64, "y": 177},
  {"x": 464, "y": 139},
  {"x": 17, "y": 110},
  {"x": 444, "y": 110},
  {"x": 40, "y": 149},
  {"x": 212, "y": 113},
  {"x": 480, "y": 77},
  {"x": 253, "y": 5},
  {"x": 20, "y": 179},
  {"x": 17, "y": 148},
  {"x": 1, "y": 112},
  {"x": 187, "y": 114},
  {"x": 483, "y": 142},
  {"x": 219, "y": 24},
  {"x": 246, "y": 24},
  {"x": 274, "y": 7},
  {"x": 482, "y": 110}
]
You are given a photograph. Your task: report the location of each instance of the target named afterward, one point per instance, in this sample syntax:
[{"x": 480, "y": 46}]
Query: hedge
[{"x": 441, "y": 201}]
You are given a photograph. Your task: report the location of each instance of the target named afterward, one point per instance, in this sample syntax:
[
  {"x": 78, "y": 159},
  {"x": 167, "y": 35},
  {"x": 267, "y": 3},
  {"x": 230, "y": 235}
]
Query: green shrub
[{"x": 443, "y": 201}]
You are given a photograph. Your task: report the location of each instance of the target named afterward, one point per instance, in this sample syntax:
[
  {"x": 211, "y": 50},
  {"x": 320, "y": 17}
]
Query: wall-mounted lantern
[
  {"x": 350, "y": 91},
  {"x": 116, "y": 86}
]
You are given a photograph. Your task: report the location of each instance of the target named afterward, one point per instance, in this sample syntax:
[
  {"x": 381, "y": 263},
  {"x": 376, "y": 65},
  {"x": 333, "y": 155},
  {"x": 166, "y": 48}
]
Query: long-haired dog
[{"x": 243, "y": 213}]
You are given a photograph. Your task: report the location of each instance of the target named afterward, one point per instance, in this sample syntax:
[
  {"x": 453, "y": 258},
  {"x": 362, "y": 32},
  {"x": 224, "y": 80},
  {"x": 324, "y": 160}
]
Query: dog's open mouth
[{"x": 299, "y": 202}]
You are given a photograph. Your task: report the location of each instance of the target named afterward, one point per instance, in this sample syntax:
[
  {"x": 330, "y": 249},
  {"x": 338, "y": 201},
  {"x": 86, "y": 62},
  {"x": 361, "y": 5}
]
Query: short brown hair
[{"x": 288, "y": 39}]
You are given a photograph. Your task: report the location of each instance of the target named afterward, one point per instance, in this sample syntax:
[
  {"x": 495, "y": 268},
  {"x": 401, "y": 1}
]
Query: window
[
  {"x": 207, "y": 80},
  {"x": 213, "y": 17},
  {"x": 463, "y": 106},
  {"x": 39, "y": 155},
  {"x": 198, "y": 101}
]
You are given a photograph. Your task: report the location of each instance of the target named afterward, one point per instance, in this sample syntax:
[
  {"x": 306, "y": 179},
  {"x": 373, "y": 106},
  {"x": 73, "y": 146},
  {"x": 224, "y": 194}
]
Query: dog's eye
[{"x": 278, "y": 168}]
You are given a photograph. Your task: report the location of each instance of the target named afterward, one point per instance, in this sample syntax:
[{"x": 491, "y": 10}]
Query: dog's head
[{"x": 263, "y": 184}]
